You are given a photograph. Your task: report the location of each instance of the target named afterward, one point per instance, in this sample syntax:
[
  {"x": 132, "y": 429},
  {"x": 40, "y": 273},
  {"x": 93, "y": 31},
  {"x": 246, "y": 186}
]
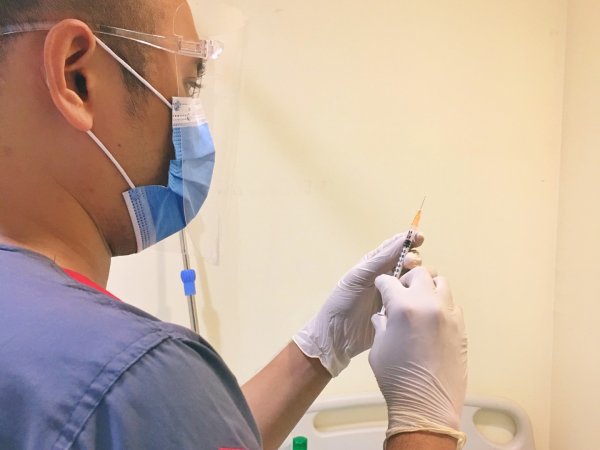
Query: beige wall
[
  {"x": 350, "y": 113},
  {"x": 575, "y": 392}
]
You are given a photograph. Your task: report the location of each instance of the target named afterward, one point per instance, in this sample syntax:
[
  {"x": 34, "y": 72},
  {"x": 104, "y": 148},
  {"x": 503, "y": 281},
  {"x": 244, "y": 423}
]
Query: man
[{"x": 90, "y": 122}]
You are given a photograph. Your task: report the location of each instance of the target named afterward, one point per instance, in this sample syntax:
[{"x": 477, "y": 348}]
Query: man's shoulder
[
  {"x": 175, "y": 396},
  {"x": 37, "y": 295},
  {"x": 65, "y": 346},
  {"x": 48, "y": 319}
]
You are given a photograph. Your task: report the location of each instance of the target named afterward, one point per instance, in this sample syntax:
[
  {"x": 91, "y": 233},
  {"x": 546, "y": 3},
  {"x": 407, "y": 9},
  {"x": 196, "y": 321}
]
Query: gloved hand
[
  {"x": 419, "y": 356},
  {"x": 342, "y": 329}
]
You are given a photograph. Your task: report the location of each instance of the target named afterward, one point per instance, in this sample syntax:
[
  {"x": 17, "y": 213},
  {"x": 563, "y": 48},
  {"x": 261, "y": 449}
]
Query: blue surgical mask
[{"x": 158, "y": 212}]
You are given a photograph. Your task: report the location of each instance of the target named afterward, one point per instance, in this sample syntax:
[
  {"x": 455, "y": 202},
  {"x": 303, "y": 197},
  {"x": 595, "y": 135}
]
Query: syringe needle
[
  {"x": 415, "y": 223},
  {"x": 407, "y": 245}
]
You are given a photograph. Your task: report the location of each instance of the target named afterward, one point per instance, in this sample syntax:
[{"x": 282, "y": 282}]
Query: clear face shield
[
  {"x": 215, "y": 81},
  {"x": 218, "y": 91},
  {"x": 206, "y": 50}
]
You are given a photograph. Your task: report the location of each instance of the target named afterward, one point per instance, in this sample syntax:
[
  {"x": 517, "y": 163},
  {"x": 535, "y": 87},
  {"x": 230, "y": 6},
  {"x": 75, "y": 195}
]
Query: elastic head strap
[{"x": 134, "y": 73}]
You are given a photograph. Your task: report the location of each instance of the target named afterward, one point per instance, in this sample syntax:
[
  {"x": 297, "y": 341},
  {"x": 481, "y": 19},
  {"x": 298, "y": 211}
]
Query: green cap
[{"x": 299, "y": 443}]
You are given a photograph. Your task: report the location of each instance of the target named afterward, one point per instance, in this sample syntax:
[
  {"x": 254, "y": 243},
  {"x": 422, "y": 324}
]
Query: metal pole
[{"x": 192, "y": 292}]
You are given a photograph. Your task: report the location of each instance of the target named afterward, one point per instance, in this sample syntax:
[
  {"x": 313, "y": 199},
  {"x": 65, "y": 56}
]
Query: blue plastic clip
[{"x": 189, "y": 282}]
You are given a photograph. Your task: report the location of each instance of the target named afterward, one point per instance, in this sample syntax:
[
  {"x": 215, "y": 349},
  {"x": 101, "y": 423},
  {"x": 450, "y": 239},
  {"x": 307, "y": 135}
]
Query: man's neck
[
  {"x": 77, "y": 258},
  {"x": 40, "y": 214}
]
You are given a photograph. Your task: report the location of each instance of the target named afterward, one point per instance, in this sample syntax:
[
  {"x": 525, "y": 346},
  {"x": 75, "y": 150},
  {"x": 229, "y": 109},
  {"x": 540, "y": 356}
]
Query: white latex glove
[
  {"x": 342, "y": 329},
  {"x": 419, "y": 356}
]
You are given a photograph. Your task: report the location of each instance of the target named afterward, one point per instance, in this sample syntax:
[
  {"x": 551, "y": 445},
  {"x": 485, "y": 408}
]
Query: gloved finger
[
  {"x": 391, "y": 290},
  {"x": 441, "y": 284},
  {"x": 372, "y": 264},
  {"x": 443, "y": 289},
  {"x": 418, "y": 277},
  {"x": 432, "y": 271},
  {"x": 413, "y": 259},
  {"x": 384, "y": 245},
  {"x": 379, "y": 322},
  {"x": 419, "y": 239},
  {"x": 385, "y": 257}
]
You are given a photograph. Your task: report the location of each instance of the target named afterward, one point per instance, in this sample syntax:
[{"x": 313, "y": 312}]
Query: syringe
[{"x": 407, "y": 245}]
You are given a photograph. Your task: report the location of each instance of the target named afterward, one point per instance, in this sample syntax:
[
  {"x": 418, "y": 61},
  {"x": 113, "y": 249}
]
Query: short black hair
[{"x": 138, "y": 15}]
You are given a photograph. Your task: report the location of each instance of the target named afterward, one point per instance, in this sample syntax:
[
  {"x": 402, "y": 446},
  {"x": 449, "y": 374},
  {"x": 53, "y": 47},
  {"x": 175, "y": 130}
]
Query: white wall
[
  {"x": 576, "y": 392},
  {"x": 350, "y": 113}
]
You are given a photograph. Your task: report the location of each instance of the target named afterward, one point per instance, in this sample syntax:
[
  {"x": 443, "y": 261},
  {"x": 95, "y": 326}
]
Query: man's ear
[{"x": 68, "y": 49}]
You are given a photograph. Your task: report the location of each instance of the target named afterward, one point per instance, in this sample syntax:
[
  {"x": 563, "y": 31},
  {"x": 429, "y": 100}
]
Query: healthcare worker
[{"x": 104, "y": 151}]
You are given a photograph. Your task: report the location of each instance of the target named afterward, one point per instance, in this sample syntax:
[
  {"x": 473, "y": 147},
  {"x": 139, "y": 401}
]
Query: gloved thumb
[
  {"x": 379, "y": 322},
  {"x": 389, "y": 288},
  {"x": 384, "y": 258}
]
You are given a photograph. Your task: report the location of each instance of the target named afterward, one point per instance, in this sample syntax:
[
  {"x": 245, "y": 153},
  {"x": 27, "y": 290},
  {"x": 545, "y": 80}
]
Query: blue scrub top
[{"x": 81, "y": 370}]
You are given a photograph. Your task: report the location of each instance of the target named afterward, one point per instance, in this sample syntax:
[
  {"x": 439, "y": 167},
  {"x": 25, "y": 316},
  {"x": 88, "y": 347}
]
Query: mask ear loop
[
  {"x": 141, "y": 79},
  {"x": 112, "y": 158}
]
